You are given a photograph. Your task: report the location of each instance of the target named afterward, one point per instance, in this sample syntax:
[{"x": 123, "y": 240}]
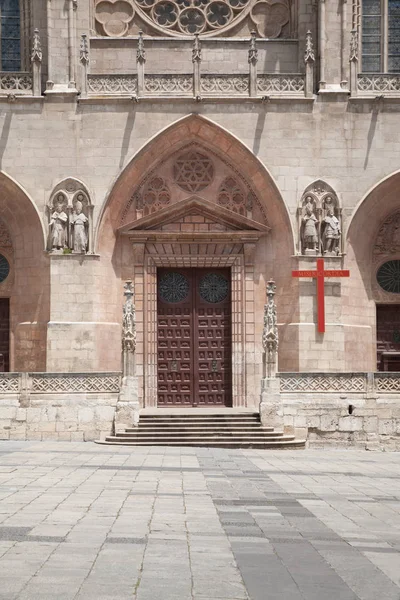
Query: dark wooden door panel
[
  {"x": 194, "y": 337},
  {"x": 4, "y": 334},
  {"x": 388, "y": 337}
]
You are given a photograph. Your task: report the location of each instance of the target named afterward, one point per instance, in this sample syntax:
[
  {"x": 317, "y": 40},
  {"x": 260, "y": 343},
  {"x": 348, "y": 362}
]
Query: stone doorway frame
[{"x": 232, "y": 245}]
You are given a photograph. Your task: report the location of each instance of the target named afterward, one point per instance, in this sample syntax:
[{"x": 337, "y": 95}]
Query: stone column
[
  {"x": 84, "y": 60},
  {"x": 140, "y": 62},
  {"x": 127, "y": 409},
  {"x": 353, "y": 62},
  {"x": 73, "y": 5},
  {"x": 271, "y": 412},
  {"x": 196, "y": 60},
  {"x": 36, "y": 59},
  {"x": 309, "y": 59},
  {"x": 253, "y": 59}
]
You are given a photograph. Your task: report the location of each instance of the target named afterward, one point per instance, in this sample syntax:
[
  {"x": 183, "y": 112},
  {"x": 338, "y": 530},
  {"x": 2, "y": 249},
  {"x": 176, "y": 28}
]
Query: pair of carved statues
[
  {"x": 69, "y": 230},
  {"x": 320, "y": 222}
]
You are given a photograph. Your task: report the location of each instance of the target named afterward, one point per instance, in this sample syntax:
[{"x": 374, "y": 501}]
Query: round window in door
[
  {"x": 173, "y": 287},
  {"x": 214, "y": 288}
]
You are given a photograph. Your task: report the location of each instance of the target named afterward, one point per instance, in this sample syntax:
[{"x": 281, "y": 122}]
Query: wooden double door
[
  {"x": 4, "y": 334},
  {"x": 194, "y": 337},
  {"x": 388, "y": 337}
]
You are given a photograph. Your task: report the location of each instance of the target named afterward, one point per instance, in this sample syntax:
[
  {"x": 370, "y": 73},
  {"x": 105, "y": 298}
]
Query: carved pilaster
[
  {"x": 196, "y": 60},
  {"x": 73, "y": 5},
  {"x": 140, "y": 62},
  {"x": 309, "y": 59},
  {"x": 127, "y": 408},
  {"x": 253, "y": 59},
  {"x": 322, "y": 43},
  {"x": 36, "y": 59},
  {"x": 270, "y": 332},
  {"x": 353, "y": 62},
  {"x": 271, "y": 412},
  {"x": 84, "y": 60}
]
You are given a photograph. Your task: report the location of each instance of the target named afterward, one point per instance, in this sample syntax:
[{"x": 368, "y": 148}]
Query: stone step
[
  {"x": 203, "y": 433},
  {"x": 203, "y": 419},
  {"x": 282, "y": 444},
  {"x": 203, "y": 437},
  {"x": 198, "y": 427}
]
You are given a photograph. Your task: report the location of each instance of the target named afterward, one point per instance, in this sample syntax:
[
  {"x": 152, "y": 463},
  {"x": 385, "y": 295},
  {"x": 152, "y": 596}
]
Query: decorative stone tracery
[
  {"x": 118, "y": 18},
  {"x": 388, "y": 238},
  {"x": 231, "y": 196},
  {"x": 193, "y": 171},
  {"x": 156, "y": 195}
]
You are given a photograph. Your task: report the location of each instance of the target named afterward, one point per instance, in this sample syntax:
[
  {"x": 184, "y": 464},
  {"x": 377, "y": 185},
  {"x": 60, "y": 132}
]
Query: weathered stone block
[
  {"x": 350, "y": 423},
  {"x": 386, "y": 426},
  {"x": 329, "y": 422}
]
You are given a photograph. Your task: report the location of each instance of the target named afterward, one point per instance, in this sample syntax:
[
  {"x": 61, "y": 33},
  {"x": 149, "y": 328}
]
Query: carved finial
[
  {"x": 140, "y": 53},
  {"x": 270, "y": 331},
  {"x": 253, "y": 52},
  {"x": 196, "y": 51},
  {"x": 354, "y": 45},
  {"x": 309, "y": 51},
  {"x": 37, "y": 54},
  {"x": 74, "y": 4},
  {"x": 129, "y": 319},
  {"x": 84, "y": 49}
]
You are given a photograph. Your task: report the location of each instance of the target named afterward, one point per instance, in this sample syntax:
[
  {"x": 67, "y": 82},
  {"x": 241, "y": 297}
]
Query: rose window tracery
[
  {"x": 231, "y": 196},
  {"x": 388, "y": 276},
  {"x": 193, "y": 171},
  {"x": 156, "y": 196},
  {"x": 117, "y": 18}
]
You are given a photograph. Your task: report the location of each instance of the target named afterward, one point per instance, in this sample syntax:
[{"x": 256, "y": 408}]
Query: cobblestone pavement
[{"x": 80, "y": 521}]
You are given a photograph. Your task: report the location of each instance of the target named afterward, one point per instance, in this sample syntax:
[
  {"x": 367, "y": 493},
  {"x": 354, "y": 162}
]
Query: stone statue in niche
[
  {"x": 58, "y": 224},
  {"x": 79, "y": 223},
  {"x": 331, "y": 231},
  {"x": 309, "y": 232}
]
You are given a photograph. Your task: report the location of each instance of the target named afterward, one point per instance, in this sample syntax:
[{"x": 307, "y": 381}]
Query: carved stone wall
[{"x": 120, "y": 18}]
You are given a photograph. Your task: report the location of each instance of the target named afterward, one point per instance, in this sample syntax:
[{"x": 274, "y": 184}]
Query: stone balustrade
[{"x": 356, "y": 383}]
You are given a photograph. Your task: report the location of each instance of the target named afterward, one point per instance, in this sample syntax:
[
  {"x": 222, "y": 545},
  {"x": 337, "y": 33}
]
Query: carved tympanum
[{"x": 388, "y": 238}]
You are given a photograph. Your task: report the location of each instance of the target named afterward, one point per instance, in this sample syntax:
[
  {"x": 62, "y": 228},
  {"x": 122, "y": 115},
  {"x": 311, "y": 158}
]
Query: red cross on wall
[{"x": 320, "y": 275}]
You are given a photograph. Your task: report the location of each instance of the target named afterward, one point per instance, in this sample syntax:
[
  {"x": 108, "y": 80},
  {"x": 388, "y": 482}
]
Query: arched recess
[
  {"x": 29, "y": 292},
  {"x": 270, "y": 257},
  {"x": 363, "y": 292}
]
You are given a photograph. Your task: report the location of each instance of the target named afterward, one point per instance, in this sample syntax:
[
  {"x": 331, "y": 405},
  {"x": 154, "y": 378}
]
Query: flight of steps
[{"x": 237, "y": 430}]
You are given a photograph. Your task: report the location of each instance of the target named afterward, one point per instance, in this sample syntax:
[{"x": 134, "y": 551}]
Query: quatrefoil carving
[
  {"x": 270, "y": 17},
  {"x": 114, "y": 16}
]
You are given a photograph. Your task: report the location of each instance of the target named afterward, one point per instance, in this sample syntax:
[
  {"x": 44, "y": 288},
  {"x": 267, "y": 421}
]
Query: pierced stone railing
[
  {"x": 281, "y": 84},
  {"x": 10, "y": 382},
  {"x": 20, "y": 83},
  {"x": 59, "y": 383},
  {"x": 112, "y": 84},
  {"x": 373, "y": 383},
  {"x": 378, "y": 83},
  {"x": 162, "y": 85},
  {"x": 220, "y": 85},
  {"x": 320, "y": 382}
]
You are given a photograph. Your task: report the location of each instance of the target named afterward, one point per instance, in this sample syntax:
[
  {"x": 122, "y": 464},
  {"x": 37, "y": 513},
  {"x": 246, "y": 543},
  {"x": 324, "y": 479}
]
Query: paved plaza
[{"x": 88, "y": 522}]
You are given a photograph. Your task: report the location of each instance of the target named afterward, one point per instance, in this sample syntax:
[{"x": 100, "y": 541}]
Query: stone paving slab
[{"x": 86, "y": 522}]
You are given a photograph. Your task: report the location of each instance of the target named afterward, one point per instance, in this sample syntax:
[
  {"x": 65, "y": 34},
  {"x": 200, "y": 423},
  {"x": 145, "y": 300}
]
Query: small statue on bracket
[
  {"x": 79, "y": 222},
  {"x": 331, "y": 233},
  {"x": 309, "y": 235},
  {"x": 58, "y": 225}
]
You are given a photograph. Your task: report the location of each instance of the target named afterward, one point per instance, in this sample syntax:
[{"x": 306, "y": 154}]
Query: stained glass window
[
  {"x": 381, "y": 36},
  {"x": 10, "y": 32}
]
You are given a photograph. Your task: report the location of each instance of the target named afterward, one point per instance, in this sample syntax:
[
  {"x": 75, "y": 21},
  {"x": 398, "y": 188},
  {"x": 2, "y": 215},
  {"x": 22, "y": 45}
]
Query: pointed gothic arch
[
  {"x": 365, "y": 254},
  {"x": 195, "y": 195},
  {"x": 30, "y": 291}
]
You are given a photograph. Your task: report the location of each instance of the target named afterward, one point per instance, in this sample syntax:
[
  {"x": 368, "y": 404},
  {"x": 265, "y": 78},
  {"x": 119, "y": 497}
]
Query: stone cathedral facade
[{"x": 200, "y": 149}]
